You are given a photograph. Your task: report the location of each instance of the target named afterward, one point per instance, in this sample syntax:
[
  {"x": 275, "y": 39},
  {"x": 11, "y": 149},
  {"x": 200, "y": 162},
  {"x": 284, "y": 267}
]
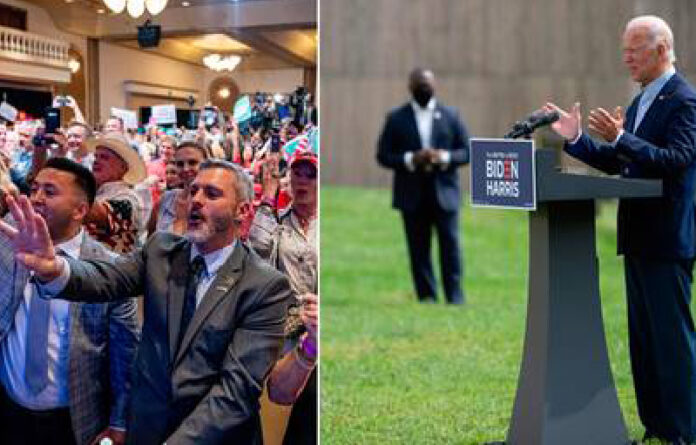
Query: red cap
[{"x": 304, "y": 156}]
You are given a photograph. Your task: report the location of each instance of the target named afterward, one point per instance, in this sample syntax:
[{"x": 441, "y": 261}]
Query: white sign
[
  {"x": 164, "y": 114},
  {"x": 8, "y": 112},
  {"x": 130, "y": 117}
]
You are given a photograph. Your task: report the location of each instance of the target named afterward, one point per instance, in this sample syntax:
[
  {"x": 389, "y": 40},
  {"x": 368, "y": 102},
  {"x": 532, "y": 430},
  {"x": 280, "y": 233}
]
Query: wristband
[
  {"x": 302, "y": 361},
  {"x": 309, "y": 348}
]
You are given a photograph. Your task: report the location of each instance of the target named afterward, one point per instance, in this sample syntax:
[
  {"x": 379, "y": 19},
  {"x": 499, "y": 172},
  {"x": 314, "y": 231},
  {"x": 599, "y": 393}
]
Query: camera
[{"x": 275, "y": 141}]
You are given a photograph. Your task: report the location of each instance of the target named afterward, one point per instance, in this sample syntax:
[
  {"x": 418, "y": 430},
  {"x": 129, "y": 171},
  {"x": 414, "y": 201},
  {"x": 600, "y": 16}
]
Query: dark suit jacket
[
  {"x": 103, "y": 339},
  {"x": 206, "y": 392},
  {"x": 400, "y": 135},
  {"x": 663, "y": 147}
]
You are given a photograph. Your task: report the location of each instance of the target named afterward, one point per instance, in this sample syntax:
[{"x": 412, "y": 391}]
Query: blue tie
[
  {"x": 640, "y": 111},
  {"x": 36, "y": 357}
]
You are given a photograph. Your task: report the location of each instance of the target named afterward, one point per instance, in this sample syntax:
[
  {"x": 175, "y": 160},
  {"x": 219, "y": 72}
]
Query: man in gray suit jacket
[
  {"x": 64, "y": 367},
  {"x": 214, "y": 313}
]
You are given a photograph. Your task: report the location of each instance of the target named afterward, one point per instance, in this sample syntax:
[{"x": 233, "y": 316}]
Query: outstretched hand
[
  {"x": 30, "y": 239},
  {"x": 607, "y": 125},
  {"x": 569, "y": 125}
]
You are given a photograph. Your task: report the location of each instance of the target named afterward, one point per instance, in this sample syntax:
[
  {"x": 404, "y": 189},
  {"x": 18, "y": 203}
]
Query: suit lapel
[
  {"x": 227, "y": 276},
  {"x": 438, "y": 127},
  {"x": 631, "y": 115},
  {"x": 412, "y": 125},
  {"x": 175, "y": 301},
  {"x": 657, "y": 106}
]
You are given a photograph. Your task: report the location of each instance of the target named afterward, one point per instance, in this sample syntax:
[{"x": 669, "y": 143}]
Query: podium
[{"x": 566, "y": 393}]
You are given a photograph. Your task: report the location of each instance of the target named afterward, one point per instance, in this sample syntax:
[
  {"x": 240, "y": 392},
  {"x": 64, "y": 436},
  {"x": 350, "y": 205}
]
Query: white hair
[{"x": 658, "y": 31}]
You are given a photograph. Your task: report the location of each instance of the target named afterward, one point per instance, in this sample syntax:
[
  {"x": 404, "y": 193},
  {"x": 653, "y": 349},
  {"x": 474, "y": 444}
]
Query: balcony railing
[{"x": 34, "y": 48}]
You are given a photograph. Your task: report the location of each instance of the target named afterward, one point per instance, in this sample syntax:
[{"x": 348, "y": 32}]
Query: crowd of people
[{"x": 214, "y": 228}]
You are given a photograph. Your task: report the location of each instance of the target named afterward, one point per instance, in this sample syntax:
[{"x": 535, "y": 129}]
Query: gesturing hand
[
  {"x": 606, "y": 125},
  {"x": 569, "y": 125},
  {"x": 309, "y": 313},
  {"x": 30, "y": 239},
  {"x": 270, "y": 179}
]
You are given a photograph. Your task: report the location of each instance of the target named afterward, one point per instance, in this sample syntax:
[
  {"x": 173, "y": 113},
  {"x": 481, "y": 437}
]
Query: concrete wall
[{"x": 496, "y": 60}]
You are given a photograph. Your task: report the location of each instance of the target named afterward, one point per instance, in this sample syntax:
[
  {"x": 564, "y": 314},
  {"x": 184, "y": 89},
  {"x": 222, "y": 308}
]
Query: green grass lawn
[{"x": 395, "y": 371}]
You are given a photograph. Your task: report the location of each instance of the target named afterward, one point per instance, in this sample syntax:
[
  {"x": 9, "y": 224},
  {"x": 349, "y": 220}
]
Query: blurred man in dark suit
[
  {"x": 657, "y": 236},
  {"x": 424, "y": 142}
]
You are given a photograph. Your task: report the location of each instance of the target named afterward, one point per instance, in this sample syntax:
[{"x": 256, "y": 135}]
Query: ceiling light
[
  {"x": 154, "y": 7},
  {"x": 135, "y": 8},
  {"x": 185, "y": 4},
  {"x": 216, "y": 62},
  {"x": 100, "y": 11},
  {"x": 224, "y": 93},
  {"x": 116, "y": 6}
]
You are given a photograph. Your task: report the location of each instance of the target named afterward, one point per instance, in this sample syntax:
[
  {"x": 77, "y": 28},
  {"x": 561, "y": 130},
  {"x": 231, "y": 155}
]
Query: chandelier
[
  {"x": 216, "y": 62},
  {"x": 136, "y": 8}
]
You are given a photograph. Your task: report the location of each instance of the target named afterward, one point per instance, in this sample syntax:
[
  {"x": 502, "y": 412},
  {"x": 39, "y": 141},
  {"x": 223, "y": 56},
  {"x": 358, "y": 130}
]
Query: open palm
[
  {"x": 30, "y": 239},
  {"x": 568, "y": 126}
]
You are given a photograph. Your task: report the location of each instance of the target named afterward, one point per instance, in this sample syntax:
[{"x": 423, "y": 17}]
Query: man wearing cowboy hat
[{"x": 117, "y": 216}]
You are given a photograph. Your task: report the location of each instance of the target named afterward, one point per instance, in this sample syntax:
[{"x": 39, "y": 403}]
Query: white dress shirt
[
  {"x": 213, "y": 263},
  {"x": 424, "y": 121},
  {"x": 13, "y": 349}
]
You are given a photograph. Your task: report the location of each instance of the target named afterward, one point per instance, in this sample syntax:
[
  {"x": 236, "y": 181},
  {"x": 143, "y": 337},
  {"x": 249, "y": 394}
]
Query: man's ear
[
  {"x": 81, "y": 210},
  {"x": 243, "y": 213}
]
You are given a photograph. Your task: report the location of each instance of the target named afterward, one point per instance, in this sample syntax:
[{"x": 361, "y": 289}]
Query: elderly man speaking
[{"x": 657, "y": 236}]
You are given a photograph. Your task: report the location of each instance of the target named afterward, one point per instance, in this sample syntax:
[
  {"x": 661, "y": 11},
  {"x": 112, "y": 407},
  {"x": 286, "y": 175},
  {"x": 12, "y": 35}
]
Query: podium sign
[{"x": 503, "y": 173}]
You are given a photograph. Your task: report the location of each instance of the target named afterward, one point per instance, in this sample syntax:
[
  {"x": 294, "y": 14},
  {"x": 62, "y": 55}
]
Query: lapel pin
[
  {"x": 436, "y": 115},
  {"x": 661, "y": 97}
]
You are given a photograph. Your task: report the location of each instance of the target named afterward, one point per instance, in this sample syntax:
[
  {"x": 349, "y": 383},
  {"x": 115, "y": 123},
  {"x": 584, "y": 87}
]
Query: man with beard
[
  {"x": 214, "y": 313},
  {"x": 64, "y": 367},
  {"x": 424, "y": 142}
]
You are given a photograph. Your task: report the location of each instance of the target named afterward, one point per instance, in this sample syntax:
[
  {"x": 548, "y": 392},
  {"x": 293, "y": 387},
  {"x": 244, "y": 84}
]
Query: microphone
[{"x": 535, "y": 120}]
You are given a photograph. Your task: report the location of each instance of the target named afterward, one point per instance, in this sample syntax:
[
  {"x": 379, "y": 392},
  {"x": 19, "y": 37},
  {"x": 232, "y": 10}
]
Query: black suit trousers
[
  {"x": 662, "y": 345},
  {"x": 419, "y": 225}
]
